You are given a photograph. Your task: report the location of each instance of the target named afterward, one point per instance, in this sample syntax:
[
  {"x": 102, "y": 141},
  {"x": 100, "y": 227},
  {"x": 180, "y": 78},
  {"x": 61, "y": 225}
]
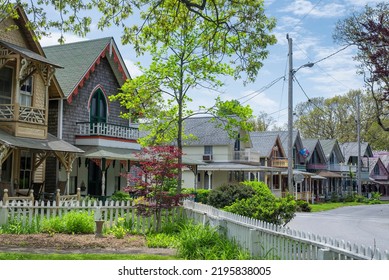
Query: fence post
[
  {"x": 222, "y": 227},
  {"x": 324, "y": 254},
  {"x": 254, "y": 246},
  {"x": 3, "y": 215}
]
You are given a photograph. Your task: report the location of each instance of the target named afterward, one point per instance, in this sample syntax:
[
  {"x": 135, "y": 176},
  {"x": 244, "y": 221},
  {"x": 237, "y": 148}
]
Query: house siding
[
  {"x": 78, "y": 110},
  {"x": 51, "y": 162}
]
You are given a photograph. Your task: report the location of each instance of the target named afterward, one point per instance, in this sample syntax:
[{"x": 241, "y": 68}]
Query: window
[
  {"x": 25, "y": 170},
  {"x": 376, "y": 170},
  {"x": 208, "y": 150},
  {"x": 5, "y": 85},
  {"x": 98, "y": 108},
  {"x": 26, "y": 92}
]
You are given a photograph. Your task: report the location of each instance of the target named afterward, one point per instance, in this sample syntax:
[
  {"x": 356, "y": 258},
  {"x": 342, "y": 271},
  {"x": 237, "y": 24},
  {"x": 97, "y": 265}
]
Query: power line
[
  {"x": 310, "y": 11},
  {"x": 309, "y": 99},
  {"x": 328, "y": 56},
  {"x": 257, "y": 92}
]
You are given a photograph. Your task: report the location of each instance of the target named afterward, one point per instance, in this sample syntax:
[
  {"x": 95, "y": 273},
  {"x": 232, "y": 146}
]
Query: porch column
[
  {"x": 128, "y": 172},
  {"x": 209, "y": 179},
  {"x": 103, "y": 170}
]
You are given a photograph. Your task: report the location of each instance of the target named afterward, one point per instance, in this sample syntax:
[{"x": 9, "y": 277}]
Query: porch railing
[
  {"x": 107, "y": 129},
  {"x": 279, "y": 162},
  {"x": 24, "y": 114},
  {"x": 246, "y": 156}
]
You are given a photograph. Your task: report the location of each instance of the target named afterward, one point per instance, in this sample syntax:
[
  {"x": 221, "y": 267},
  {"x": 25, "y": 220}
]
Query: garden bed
[{"x": 87, "y": 243}]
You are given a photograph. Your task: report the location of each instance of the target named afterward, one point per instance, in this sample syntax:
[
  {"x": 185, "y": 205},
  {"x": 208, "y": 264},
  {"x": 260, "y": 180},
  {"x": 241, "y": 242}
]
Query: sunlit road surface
[{"x": 363, "y": 225}]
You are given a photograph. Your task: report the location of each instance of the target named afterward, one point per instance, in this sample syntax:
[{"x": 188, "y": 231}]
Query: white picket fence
[
  {"x": 108, "y": 211},
  {"x": 270, "y": 241}
]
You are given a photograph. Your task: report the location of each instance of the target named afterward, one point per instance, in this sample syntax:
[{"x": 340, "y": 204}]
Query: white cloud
[
  {"x": 362, "y": 3},
  {"x": 304, "y": 7},
  {"x": 54, "y": 36},
  {"x": 132, "y": 68}
]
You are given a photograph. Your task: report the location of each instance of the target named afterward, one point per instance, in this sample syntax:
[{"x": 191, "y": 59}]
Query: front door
[{"x": 94, "y": 179}]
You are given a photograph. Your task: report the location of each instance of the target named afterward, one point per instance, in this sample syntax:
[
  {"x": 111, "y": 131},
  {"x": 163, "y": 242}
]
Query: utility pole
[
  {"x": 290, "y": 116},
  {"x": 290, "y": 112},
  {"x": 359, "y": 186}
]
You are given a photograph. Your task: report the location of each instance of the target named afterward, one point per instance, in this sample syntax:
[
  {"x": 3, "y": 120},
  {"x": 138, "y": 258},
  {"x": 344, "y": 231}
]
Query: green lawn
[
  {"x": 30, "y": 256},
  {"x": 333, "y": 205}
]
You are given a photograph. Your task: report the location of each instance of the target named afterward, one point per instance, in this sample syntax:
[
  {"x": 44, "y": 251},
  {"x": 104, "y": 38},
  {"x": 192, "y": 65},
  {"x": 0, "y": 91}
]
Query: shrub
[
  {"x": 119, "y": 230},
  {"x": 71, "y": 223},
  {"x": 303, "y": 206},
  {"x": 201, "y": 195},
  {"x": 161, "y": 240},
  {"x": 198, "y": 242},
  {"x": 17, "y": 226},
  {"x": 120, "y": 196},
  {"x": 226, "y": 195},
  {"x": 263, "y": 205}
]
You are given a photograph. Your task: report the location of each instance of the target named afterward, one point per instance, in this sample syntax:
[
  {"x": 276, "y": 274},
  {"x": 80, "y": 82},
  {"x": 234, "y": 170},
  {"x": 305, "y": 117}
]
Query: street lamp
[{"x": 290, "y": 112}]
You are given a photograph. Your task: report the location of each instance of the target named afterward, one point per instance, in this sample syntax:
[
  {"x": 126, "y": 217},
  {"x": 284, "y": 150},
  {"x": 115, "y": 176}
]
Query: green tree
[
  {"x": 368, "y": 30},
  {"x": 193, "y": 56},
  {"x": 192, "y": 45},
  {"x": 262, "y": 122},
  {"x": 264, "y": 206},
  {"x": 335, "y": 118}
]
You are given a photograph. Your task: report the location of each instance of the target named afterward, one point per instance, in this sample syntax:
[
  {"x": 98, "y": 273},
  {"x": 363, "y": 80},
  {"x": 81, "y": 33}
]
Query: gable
[
  {"x": 265, "y": 142},
  {"x": 80, "y": 60}
]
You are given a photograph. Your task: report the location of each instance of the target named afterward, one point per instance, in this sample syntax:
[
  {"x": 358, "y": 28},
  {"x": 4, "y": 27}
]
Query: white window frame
[{"x": 26, "y": 92}]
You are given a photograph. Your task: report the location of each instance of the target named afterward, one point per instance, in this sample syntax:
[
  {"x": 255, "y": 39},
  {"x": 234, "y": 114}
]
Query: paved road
[{"x": 362, "y": 225}]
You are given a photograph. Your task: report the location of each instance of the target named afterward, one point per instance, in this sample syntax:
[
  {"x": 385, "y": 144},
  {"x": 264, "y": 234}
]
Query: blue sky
[{"x": 310, "y": 24}]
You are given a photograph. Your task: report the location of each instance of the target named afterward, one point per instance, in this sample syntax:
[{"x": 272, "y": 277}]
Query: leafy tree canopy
[
  {"x": 368, "y": 30},
  {"x": 335, "y": 118},
  {"x": 239, "y": 27}
]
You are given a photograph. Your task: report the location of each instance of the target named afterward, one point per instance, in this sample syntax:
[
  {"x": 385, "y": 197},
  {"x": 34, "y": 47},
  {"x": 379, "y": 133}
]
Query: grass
[
  {"x": 31, "y": 256},
  {"x": 319, "y": 207}
]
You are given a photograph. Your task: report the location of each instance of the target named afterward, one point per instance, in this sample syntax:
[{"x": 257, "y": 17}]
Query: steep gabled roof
[
  {"x": 206, "y": 132},
  {"x": 350, "y": 149},
  {"x": 33, "y": 49},
  {"x": 284, "y": 138},
  {"x": 312, "y": 145},
  {"x": 264, "y": 142},
  {"x": 373, "y": 161},
  {"x": 79, "y": 60},
  {"x": 329, "y": 146}
]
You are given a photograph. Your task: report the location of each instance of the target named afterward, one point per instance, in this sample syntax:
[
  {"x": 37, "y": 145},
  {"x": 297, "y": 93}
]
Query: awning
[
  {"x": 329, "y": 174},
  {"x": 190, "y": 161},
  {"x": 52, "y": 143},
  {"x": 28, "y": 53},
  {"x": 378, "y": 182},
  {"x": 237, "y": 167},
  {"x": 318, "y": 177},
  {"x": 109, "y": 153}
]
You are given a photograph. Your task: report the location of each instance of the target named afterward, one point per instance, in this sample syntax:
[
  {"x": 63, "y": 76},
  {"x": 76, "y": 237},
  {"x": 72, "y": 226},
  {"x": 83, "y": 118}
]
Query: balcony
[
  {"x": 279, "y": 162},
  {"x": 316, "y": 166},
  {"x": 10, "y": 112},
  {"x": 106, "y": 134},
  {"x": 108, "y": 130},
  {"x": 246, "y": 156}
]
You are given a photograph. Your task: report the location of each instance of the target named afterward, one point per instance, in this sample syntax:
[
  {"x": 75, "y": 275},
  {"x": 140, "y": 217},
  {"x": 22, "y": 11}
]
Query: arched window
[{"x": 98, "y": 108}]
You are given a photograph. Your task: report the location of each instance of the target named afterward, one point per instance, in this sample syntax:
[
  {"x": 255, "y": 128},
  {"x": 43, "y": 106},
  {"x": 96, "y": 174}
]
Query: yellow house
[{"x": 27, "y": 83}]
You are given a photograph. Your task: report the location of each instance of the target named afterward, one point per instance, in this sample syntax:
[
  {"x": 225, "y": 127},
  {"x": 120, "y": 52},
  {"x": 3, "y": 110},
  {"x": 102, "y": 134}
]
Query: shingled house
[
  {"x": 27, "y": 82},
  {"x": 92, "y": 71}
]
